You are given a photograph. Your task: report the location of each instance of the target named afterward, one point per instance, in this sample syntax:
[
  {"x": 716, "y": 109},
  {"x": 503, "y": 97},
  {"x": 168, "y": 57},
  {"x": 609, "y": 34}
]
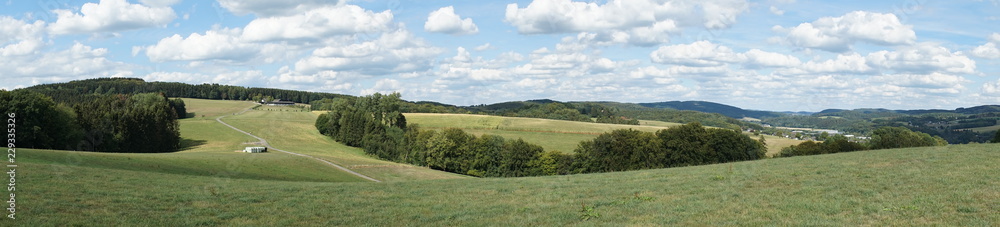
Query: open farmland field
[
  {"x": 956, "y": 185},
  {"x": 986, "y": 129}
]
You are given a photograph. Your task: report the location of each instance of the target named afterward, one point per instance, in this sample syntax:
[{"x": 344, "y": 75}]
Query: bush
[
  {"x": 900, "y": 137},
  {"x": 834, "y": 144}
]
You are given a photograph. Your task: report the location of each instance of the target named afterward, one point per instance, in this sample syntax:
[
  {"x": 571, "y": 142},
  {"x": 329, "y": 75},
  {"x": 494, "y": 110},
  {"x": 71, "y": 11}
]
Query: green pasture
[{"x": 956, "y": 185}]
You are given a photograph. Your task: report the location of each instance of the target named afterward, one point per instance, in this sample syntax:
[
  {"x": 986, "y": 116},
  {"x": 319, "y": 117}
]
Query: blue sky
[{"x": 768, "y": 55}]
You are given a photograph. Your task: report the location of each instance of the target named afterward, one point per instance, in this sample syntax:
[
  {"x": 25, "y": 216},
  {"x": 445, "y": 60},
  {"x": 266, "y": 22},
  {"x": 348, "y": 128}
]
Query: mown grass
[
  {"x": 556, "y": 135},
  {"x": 292, "y": 129},
  {"x": 956, "y": 185}
]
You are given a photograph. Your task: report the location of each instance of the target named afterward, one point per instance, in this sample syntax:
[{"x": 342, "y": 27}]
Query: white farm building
[{"x": 255, "y": 149}]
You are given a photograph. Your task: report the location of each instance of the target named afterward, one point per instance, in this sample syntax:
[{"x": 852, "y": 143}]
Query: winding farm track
[{"x": 269, "y": 147}]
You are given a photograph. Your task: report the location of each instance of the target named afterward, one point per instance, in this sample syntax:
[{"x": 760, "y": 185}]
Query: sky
[{"x": 780, "y": 55}]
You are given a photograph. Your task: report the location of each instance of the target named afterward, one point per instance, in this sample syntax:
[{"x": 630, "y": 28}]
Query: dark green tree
[
  {"x": 517, "y": 156},
  {"x": 685, "y": 144},
  {"x": 900, "y": 137},
  {"x": 39, "y": 121}
]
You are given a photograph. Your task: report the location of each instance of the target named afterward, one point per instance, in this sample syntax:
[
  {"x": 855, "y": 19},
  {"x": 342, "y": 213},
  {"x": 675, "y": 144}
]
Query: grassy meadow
[
  {"x": 957, "y": 185},
  {"x": 293, "y": 129}
]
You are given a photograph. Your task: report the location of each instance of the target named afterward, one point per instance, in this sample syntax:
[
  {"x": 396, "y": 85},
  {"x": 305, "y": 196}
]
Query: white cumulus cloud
[
  {"x": 758, "y": 57},
  {"x": 642, "y": 22},
  {"x": 701, "y": 53},
  {"x": 318, "y": 23},
  {"x": 444, "y": 20},
  {"x": 77, "y": 62},
  {"x": 837, "y": 34},
  {"x": 159, "y": 3},
  {"x": 988, "y": 50},
  {"x": 392, "y": 52},
  {"x": 922, "y": 58},
  {"x": 268, "y": 8},
  {"x": 110, "y": 16},
  {"x": 18, "y": 37},
  {"x": 224, "y": 44}
]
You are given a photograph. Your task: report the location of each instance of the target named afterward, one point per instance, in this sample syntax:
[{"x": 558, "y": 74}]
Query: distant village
[{"x": 805, "y": 134}]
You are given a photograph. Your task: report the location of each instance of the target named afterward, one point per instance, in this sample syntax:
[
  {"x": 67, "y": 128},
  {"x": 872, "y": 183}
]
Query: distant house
[
  {"x": 277, "y": 102},
  {"x": 255, "y": 149}
]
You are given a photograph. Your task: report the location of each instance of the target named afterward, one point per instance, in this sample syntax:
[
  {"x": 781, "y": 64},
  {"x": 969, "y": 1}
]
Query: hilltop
[{"x": 711, "y": 107}]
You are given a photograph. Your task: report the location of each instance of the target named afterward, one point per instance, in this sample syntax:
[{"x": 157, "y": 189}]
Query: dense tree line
[
  {"x": 900, "y": 137},
  {"x": 139, "y": 123},
  {"x": 374, "y": 124},
  {"x": 545, "y": 109},
  {"x": 39, "y": 121},
  {"x": 996, "y": 138},
  {"x": 70, "y": 91},
  {"x": 882, "y": 138},
  {"x": 605, "y": 114},
  {"x": 690, "y": 144},
  {"x": 833, "y": 144},
  {"x": 689, "y": 116}
]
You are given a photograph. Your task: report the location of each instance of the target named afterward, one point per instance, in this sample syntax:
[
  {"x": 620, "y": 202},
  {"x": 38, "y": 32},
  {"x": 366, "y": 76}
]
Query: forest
[
  {"x": 132, "y": 123},
  {"x": 67, "y": 92}
]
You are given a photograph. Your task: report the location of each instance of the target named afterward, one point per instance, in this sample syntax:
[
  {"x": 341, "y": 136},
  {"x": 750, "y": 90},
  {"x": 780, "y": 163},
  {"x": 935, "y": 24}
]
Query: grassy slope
[
  {"x": 953, "y": 185},
  {"x": 208, "y": 151},
  {"x": 290, "y": 129},
  {"x": 556, "y": 135}
]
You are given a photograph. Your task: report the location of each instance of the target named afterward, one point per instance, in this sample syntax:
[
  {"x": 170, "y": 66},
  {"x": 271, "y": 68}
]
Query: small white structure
[{"x": 255, "y": 149}]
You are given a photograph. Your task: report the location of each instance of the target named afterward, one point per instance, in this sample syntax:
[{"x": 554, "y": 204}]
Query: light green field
[
  {"x": 555, "y": 135},
  {"x": 956, "y": 185},
  {"x": 214, "y": 108},
  {"x": 291, "y": 129}
]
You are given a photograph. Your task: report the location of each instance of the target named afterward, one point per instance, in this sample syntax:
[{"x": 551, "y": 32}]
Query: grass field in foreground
[
  {"x": 956, "y": 185},
  {"x": 555, "y": 135}
]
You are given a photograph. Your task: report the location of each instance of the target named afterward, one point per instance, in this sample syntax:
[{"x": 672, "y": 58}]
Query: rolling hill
[
  {"x": 207, "y": 183},
  {"x": 953, "y": 185},
  {"x": 711, "y": 107}
]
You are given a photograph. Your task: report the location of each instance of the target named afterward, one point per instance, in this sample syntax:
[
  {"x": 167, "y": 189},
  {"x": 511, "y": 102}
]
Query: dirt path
[{"x": 269, "y": 147}]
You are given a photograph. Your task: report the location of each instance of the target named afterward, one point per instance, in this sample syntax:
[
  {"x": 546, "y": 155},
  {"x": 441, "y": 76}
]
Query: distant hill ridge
[
  {"x": 216, "y": 91},
  {"x": 711, "y": 107}
]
